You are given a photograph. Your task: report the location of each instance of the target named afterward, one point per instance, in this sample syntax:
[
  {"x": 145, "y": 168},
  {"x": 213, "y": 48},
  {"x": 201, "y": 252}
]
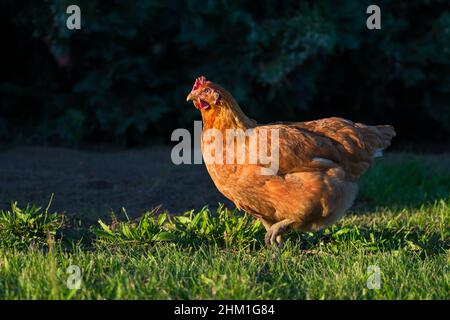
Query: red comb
[{"x": 198, "y": 82}]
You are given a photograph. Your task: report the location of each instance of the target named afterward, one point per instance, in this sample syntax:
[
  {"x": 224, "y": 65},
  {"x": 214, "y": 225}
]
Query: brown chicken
[{"x": 319, "y": 163}]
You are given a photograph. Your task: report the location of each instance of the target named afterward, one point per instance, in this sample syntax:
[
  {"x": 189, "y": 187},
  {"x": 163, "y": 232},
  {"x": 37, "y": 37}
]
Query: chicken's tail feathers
[
  {"x": 386, "y": 133},
  {"x": 377, "y": 138}
]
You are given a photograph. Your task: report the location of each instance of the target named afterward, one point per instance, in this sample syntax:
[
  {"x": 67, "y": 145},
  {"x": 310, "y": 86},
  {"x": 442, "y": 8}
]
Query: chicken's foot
[{"x": 273, "y": 235}]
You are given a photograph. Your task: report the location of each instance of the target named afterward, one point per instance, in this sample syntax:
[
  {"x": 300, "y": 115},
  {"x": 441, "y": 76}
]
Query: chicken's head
[{"x": 204, "y": 94}]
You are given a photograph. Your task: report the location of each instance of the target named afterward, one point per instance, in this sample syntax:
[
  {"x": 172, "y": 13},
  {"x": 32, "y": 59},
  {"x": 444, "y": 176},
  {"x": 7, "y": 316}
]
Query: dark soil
[{"x": 90, "y": 184}]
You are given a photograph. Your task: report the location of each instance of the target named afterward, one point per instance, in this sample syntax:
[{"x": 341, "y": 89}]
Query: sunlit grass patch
[
  {"x": 222, "y": 227},
  {"x": 148, "y": 229},
  {"x": 410, "y": 247},
  {"x": 30, "y": 225}
]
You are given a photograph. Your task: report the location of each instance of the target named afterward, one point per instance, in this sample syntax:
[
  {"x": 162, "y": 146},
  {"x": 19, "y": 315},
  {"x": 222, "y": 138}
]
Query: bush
[{"x": 123, "y": 77}]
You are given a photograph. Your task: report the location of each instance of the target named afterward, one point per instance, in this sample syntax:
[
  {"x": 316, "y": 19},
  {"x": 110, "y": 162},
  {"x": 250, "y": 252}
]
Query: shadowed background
[{"x": 123, "y": 78}]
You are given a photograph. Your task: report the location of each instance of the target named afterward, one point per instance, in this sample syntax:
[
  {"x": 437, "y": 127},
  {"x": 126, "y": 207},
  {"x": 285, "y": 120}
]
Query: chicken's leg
[
  {"x": 273, "y": 235},
  {"x": 265, "y": 223}
]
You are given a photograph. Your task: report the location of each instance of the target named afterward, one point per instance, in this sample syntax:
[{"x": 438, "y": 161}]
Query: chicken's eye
[{"x": 207, "y": 90}]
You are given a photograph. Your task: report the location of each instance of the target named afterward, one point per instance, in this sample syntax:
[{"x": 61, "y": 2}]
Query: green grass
[
  {"x": 223, "y": 228},
  {"x": 402, "y": 227},
  {"x": 405, "y": 181},
  {"x": 32, "y": 225}
]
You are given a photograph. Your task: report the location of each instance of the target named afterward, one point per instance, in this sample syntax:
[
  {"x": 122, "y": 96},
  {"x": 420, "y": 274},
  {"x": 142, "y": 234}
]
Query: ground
[
  {"x": 88, "y": 185},
  {"x": 398, "y": 228}
]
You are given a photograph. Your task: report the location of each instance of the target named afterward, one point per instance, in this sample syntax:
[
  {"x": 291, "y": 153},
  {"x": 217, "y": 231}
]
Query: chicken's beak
[{"x": 190, "y": 97}]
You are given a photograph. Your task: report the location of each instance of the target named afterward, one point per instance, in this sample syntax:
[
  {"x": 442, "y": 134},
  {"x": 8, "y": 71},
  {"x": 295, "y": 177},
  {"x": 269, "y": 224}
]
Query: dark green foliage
[{"x": 123, "y": 77}]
